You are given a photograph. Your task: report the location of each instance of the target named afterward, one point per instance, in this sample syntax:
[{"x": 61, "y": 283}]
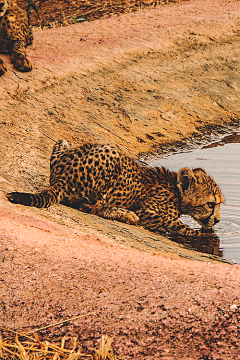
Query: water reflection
[{"x": 208, "y": 244}]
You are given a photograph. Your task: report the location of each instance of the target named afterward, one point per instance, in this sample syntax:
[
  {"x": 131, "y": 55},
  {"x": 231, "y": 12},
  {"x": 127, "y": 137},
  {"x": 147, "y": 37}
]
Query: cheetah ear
[{"x": 185, "y": 178}]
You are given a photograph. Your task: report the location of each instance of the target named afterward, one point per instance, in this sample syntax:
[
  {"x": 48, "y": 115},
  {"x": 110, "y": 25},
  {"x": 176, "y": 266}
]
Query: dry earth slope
[{"x": 138, "y": 81}]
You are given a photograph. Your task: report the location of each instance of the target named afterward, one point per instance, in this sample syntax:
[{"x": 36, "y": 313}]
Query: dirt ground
[{"x": 162, "y": 77}]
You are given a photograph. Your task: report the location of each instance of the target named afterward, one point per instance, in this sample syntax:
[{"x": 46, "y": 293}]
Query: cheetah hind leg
[
  {"x": 19, "y": 59},
  {"x": 3, "y": 67},
  {"x": 119, "y": 214},
  {"x": 111, "y": 213}
]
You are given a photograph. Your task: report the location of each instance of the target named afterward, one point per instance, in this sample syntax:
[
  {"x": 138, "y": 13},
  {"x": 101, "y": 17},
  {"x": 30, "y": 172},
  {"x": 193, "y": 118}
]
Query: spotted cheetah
[
  {"x": 101, "y": 180},
  {"x": 15, "y": 35}
]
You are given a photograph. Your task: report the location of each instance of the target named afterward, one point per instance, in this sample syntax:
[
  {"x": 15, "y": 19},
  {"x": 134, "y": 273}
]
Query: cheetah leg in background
[{"x": 19, "y": 59}]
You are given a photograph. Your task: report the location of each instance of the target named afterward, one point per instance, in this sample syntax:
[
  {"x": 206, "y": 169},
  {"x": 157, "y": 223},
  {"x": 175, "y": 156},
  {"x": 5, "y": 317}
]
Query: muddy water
[{"x": 222, "y": 160}]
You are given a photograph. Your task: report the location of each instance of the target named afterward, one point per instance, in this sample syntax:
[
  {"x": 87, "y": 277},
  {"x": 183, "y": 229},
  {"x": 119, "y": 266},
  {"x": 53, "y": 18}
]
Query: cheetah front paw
[
  {"x": 3, "y": 67},
  {"x": 23, "y": 65}
]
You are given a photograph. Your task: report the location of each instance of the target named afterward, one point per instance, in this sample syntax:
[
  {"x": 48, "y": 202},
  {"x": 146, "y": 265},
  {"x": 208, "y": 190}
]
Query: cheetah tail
[{"x": 42, "y": 199}]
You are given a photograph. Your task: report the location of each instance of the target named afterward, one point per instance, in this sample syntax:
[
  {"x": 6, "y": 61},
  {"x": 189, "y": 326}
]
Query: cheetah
[
  {"x": 101, "y": 180},
  {"x": 15, "y": 35}
]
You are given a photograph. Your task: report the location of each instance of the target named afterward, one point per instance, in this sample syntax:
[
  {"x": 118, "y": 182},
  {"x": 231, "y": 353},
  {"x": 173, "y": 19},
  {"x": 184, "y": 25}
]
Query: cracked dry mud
[{"x": 139, "y": 81}]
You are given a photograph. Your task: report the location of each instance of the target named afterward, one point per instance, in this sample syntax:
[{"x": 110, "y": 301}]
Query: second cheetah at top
[{"x": 15, "y": 35}]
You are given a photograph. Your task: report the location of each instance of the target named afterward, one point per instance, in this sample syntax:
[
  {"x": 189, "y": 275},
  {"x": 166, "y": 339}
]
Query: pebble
[{"x": 233, "y": 307}]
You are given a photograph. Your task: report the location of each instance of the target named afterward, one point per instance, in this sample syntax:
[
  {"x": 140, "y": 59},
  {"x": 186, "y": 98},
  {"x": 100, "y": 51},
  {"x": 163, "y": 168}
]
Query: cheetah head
[{"x": 201, "y": 197}]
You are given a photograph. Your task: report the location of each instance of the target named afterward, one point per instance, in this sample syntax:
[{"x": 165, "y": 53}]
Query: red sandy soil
[
  {"x": 154, "y": 306},
  {"x": 156, "y": 299}
]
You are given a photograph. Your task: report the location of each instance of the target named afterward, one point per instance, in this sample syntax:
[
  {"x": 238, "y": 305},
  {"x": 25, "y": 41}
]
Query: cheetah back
[{"x": 97, "y": 173}]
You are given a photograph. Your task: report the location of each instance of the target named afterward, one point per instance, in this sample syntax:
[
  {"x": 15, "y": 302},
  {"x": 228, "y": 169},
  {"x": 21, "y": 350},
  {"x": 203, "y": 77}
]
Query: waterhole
[{"x": 222, "y": 161}]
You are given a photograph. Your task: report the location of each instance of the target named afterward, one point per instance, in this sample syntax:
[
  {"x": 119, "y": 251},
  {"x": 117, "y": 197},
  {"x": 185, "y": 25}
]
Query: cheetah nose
[{"x": 216, "y": 221}]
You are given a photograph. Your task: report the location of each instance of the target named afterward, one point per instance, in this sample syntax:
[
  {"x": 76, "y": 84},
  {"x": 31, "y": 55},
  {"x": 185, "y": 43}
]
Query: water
[{"x": 222, "y": 161}]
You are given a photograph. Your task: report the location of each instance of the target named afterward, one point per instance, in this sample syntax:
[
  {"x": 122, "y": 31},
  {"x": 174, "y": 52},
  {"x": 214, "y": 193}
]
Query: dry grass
[
  {"x": 34, "y": 349},
  {"x": 51, "y": 13},
  {"x": 22, "y": 346}
]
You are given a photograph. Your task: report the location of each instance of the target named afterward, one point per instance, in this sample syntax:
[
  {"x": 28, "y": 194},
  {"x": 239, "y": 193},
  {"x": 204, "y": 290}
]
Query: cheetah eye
[{"x": 211, "y": 205}]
